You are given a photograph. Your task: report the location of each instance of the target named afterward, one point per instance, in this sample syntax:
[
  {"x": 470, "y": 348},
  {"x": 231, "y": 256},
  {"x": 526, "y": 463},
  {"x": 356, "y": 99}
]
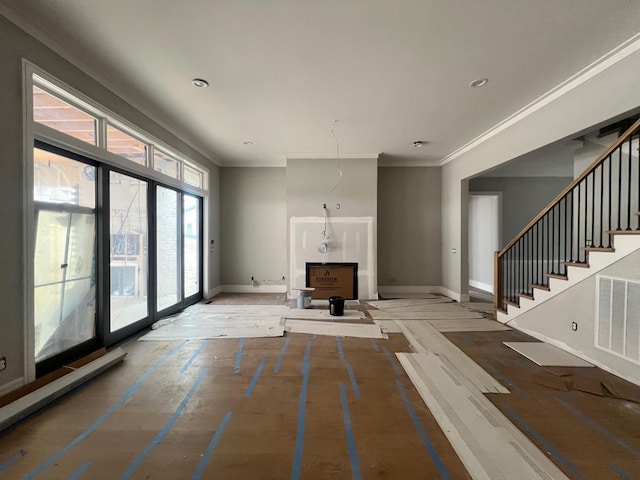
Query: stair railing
[{"x": 603, "y": 200}]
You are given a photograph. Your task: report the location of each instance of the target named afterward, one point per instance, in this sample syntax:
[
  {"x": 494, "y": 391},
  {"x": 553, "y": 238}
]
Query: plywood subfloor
[{"x": 547, "y": 355}]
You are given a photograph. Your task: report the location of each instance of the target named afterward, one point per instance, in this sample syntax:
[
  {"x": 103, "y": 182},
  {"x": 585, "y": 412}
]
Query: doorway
[{"x": 485, "y": 214}]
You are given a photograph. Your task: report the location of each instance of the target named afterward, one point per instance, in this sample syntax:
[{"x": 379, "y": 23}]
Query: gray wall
[
  {"x": 522, "y": 198},
  {"x": 409, "y": 226},
  {"x": 15, "y": 45},
  {"x": 253, "y": 224}
]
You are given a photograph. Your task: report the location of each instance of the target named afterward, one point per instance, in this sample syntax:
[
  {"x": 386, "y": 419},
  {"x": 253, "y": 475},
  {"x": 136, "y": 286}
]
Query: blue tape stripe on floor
[
  {"x": 297, "y": 458},
  {"x": 523, "y": 425},
  {"x": 597, "y": 426},
  {"x": 12, "y": 460},
  {"x": 125, "y": 396},
  {"x": 423, "y": 435},
  {"x": 392, "y": 361},
  {"x": 194, "y": 356},
  {"x": 354, "y": 384},
  {"x": 620, "y": 473},
  {"x": 375, "y": 345},
  {"x": 236, "y": 369},
  {"x": 340, "y": 350},
  {"x": 351, "y": 443},
  {"x": 78, "y": 473},
  {"x": 281, "y": 356},
  {"x": 253, "y": 383},
  {"x": 212, "y": 446},
  {"x": 163, "y": 433}
]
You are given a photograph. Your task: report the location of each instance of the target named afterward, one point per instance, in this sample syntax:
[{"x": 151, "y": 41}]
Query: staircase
[{"x": 545, "y": 279}]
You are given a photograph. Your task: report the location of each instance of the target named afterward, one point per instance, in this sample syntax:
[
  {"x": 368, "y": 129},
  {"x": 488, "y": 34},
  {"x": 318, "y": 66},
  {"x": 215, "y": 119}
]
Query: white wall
[
  {"x": 610, "y": 93},
  {"x": 552, "y": 320}
]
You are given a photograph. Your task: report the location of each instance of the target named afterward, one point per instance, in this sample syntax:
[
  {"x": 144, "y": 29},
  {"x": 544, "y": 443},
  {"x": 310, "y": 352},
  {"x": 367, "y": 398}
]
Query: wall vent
[{"x": 618, "y": 317}]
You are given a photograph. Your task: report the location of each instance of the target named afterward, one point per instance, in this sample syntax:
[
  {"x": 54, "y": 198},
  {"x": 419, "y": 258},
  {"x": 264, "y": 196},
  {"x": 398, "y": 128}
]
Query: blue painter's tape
[
  {"x": 12, "y": 460},
  {"x": 392, "y": 361},
  {"x": 354, "y": 384},
  {"x": 543, "y": 441},
  {"x": 78, "y": 473},
  {"x": 194, "y": 356},
  {"x": 423, "y": 435},
  {"x": 125, "y": 396},
  {"x": 340, "y": 350},
  {"x": 302, "y": 406},
  {"x": 212, "y": 446},
  {"x": 597, "y": 426},
  {"x": 281, "y": 356},
  {"x": 375, "y": 345},
  {"x": 620, "y": 473},
  {"x": 163, "y": 433},
  {"x": 351, "y": 442},
  {"x": 236, "y": 369},
  {"x": 254, "y": 381}
]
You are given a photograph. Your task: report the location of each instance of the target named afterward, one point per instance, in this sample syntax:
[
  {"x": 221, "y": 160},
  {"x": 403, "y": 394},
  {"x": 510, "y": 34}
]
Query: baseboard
[
  {"x": 214, "y": 291},
  {"x": 481, "y": 286},
  {"x": 11, "y": 386},
  {"x": 458, "y": 297},
  {"x": 251, "y": 289}
]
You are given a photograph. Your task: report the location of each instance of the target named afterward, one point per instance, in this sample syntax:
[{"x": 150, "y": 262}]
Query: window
[
  {"x": 165, "y": 164},
  {"x": 55, "y": 113},
  {"x": 192, "y": 176},
  {"x": 126, "y": 146}
]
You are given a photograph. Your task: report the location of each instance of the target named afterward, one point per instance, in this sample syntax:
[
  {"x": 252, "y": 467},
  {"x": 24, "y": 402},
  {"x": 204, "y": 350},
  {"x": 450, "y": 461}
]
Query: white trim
[
  {"x": 11, "y": 386},
  {"x": 51, "y": 43},
  {"x": 28, "y": 225},
  {"x": 327, "y": 156},
  {"x": 482, "y": 286},
  {"x": 252, "y": 289},
  {"x": 215, "y": 291},
  {"x": 458, "y": 297},
  {"x": 387, "y": 161},
  {"x": 622, "y": 51}
]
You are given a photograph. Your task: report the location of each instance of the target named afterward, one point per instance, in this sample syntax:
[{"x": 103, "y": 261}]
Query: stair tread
[
  {"x": 514, "y": 304},
  {"x": 541, "y": 287},
  {"x": 556, "y": 275},
  {"x": 623, "y": 232},
  {"x": 598, "y": 249},
  {"x": 576, "y": 264},
  {"x": 525, "y": 295}
]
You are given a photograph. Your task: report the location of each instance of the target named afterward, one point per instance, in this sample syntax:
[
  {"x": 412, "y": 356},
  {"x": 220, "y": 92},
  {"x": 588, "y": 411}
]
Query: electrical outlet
[
  {"x": 3, "y": 363},
  {"x": 574, "y": 326}
]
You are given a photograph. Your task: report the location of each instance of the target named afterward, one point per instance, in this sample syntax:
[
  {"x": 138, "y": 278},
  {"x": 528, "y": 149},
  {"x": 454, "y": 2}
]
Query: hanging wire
[{"x": 337, "y": 156}]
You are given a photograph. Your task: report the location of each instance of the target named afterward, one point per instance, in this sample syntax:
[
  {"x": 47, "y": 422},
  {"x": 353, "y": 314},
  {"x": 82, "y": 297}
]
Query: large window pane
[
  {"x": 191, "y": 245},
  {"x": 58, "y": 179},
  {"x": 128, "y": 250},
  {"x": 126, "y": 146},
  {"x": 168, "y": 253},
  {"x": 55, "y": 113}
]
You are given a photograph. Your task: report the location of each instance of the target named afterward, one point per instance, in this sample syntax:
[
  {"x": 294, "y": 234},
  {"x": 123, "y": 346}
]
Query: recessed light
[
  {"x": 419, "y": 143},
  {"x": 248, "y": 142},
  {"x": 480, "y": 82},
  {"x": 200, "y": 83}
]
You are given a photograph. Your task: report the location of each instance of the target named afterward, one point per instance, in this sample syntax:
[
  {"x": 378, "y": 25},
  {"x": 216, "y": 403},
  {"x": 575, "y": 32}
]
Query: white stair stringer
[{"x": 624, "y": 245}]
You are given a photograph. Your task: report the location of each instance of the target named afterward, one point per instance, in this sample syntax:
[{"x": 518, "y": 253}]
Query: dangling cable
[{"x": 337, "y": 156}]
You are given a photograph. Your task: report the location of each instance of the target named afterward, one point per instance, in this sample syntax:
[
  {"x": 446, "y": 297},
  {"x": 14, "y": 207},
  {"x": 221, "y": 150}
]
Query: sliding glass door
[
  {"x": 128, "y": 250},
  {"x": 64, "y": 259},
  {"x": 168, "y": 247}
]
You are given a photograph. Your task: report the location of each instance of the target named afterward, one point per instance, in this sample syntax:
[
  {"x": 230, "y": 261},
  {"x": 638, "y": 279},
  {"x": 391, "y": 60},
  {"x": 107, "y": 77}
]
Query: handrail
[
  {"x": 578, "y": 219},
  {"x": 571, "y": 186}
]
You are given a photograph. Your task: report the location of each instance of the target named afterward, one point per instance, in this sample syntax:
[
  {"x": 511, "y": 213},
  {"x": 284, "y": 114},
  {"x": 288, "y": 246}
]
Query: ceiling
[{"x": 282, "y": 71}]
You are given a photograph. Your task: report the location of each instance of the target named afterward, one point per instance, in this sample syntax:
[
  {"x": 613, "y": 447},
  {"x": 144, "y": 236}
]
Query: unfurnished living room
[{"x": 320, "y": 240}]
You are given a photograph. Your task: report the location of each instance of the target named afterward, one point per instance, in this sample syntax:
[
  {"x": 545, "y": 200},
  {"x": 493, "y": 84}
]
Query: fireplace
[{"x": 332, "y": 279}]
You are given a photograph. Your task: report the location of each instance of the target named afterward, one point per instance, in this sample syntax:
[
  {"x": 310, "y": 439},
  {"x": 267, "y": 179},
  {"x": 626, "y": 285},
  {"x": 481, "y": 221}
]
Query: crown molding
[
  {"x": 390, "y": 162},
  {"x": 51, "y": 43},
  {"x": 608, "y": 60},
  {"x": 326, "y": 156}
]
